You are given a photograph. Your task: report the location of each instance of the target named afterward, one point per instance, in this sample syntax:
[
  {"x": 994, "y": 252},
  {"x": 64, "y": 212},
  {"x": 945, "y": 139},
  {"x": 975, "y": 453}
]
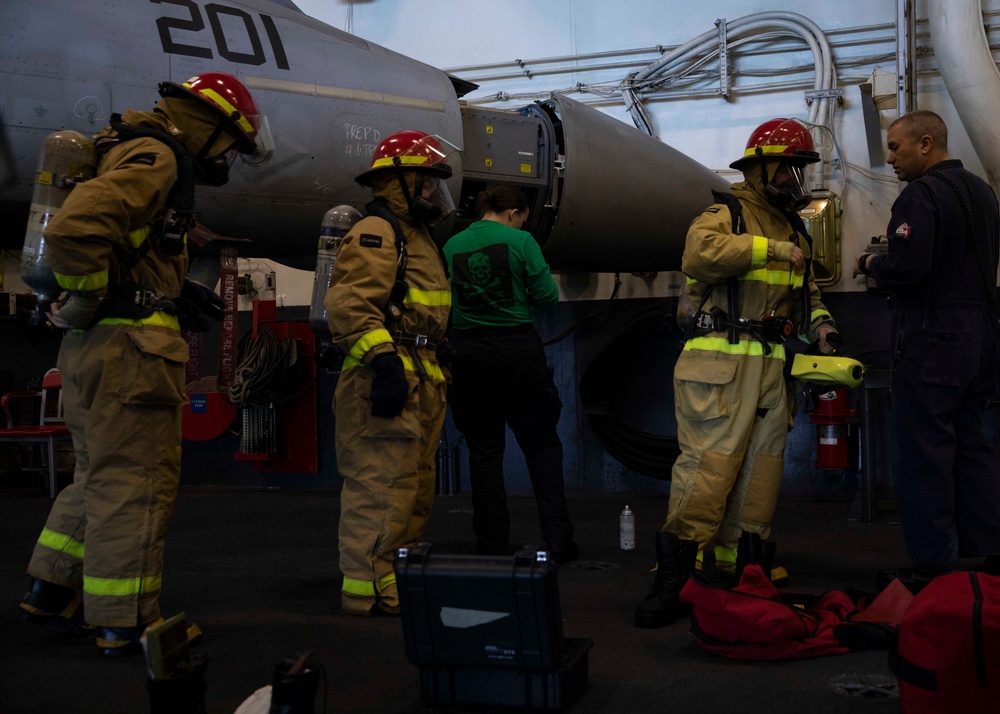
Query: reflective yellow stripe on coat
[{"x": 745, "y": 346}]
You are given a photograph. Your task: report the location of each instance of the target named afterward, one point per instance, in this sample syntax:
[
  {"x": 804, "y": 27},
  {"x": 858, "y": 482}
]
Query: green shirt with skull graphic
[{"x": 497, "y": 274}]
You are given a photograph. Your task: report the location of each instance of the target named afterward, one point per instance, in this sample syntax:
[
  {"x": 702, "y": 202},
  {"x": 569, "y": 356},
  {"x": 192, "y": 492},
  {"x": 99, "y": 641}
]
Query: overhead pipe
[
  {"x": 810, "y": 32},
  {"x": 970, "y": 75}
]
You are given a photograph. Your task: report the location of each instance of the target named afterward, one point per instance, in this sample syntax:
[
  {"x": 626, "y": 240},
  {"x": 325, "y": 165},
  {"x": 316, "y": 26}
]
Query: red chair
[{"x": 50, "y": 429}]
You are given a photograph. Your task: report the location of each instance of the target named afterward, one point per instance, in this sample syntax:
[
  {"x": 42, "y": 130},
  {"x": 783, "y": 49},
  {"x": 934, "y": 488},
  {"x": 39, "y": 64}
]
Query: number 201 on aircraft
[{"x": 216, "y": 12}]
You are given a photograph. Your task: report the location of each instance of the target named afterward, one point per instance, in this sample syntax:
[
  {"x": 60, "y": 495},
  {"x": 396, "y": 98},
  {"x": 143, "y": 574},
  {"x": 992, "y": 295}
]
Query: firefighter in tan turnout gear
[
  {"x": 388, "y": 308},
  {"x": 118, "y": 249},
  {"x": 749, "y": 279}
]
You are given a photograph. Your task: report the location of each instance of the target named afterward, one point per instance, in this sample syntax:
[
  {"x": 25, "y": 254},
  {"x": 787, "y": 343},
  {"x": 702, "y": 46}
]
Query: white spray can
[{"x": 626, "y": 529}]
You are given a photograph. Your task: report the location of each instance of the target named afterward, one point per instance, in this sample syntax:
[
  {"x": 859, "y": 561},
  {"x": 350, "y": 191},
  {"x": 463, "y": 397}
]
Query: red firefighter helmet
[
  {"x": 779, "y": 139},
  {"x": 232, "y": 99},
  {"x": 409, "y": 150}
]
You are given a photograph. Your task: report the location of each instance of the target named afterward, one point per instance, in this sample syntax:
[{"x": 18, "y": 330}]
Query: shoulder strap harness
[{"x": 770, "y": 329}]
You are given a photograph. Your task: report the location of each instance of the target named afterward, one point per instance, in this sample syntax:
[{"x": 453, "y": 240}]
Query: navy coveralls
[{"x": 945, "y": 344}]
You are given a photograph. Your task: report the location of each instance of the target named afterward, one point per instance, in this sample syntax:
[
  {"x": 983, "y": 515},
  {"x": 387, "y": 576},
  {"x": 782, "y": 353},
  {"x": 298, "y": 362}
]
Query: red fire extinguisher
[{"x": 831, "y": 417}]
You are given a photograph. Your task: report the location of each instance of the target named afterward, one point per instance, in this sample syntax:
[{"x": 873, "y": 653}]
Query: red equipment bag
[
  {"x": 949, "y": 647},
  {"x": 754, "y": 621}
]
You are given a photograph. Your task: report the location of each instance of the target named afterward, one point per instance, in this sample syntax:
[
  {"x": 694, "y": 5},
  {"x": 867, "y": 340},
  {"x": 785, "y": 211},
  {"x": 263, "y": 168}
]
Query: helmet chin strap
[
  {"x": 763, "y": 168},
  {"x": 401, "y": 177},
  {"x": 214, "y": 171},
  {"x": 420, "y": 209}
]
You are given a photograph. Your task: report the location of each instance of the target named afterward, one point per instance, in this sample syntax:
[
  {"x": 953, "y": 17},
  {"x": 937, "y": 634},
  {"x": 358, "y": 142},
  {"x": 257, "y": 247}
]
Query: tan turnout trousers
[{"x": 123, "y": 389}]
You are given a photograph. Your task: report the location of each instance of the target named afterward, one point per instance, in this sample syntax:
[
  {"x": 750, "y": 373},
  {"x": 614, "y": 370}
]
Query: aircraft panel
[
  {"x": 53, "y": 104},
  {"x": 330, "y": 98}
]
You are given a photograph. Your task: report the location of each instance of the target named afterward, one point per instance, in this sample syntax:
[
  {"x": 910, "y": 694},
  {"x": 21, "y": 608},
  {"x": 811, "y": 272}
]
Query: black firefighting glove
[
  {"x": 834, "y": 343},
  {"x": 389, "y": 386},
  {"x": 196, "y": 304},
  {"x": 861, "y": 266},
  {"x": 445, "y": 353}
]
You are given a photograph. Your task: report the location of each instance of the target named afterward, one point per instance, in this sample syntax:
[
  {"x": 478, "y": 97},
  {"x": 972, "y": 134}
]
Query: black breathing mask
[
  {"x": 431, "y": 203},
  {"x": 213, "y": 171},
  {"x": 787, "y": 189},
  {"x": 424, "y": 211}
]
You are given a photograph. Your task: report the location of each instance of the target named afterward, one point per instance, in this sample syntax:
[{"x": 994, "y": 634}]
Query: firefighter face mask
[
  {"x": 432, "y": 203},
  {"x": 786, "y": 189},
  {"x": 214, "y": 170},
  {"x": 427, "y": 197},
  {"x": 210, "y": 143}
]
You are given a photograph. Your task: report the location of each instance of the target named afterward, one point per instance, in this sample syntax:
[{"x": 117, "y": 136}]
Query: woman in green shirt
[{"x": 500, "y": 373}]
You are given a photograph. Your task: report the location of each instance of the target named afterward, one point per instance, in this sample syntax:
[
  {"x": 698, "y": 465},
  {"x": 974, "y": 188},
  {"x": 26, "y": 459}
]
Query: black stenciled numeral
[
  {"x": 276, "y": 45},
  {"x": 196, "y": 24},
  {"x": 257, "y": 56}
]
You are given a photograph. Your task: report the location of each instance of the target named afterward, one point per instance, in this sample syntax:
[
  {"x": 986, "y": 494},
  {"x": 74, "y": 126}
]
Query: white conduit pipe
[
  {"x": 969, "y": 74},
  {"x": 798, "y": 24}
]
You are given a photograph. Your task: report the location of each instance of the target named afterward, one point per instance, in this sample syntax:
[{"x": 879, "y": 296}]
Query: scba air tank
[
  {"x": 337, "y": 222},
  {"x": 67, "y": 159}
]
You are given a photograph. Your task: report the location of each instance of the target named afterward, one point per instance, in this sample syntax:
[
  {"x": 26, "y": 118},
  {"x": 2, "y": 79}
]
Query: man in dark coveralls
[{"x": 945, "y": 347}]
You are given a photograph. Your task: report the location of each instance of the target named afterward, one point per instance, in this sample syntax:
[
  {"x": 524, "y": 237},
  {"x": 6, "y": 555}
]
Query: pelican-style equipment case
[{"x": 487, "y": 630}]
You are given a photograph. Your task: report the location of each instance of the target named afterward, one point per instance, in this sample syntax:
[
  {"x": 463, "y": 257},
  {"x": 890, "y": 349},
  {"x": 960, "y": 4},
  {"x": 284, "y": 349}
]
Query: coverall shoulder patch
[
  {"x": 903, "y": 231},
  {"x": 144, "y": 159},
  {"x": 369, "y": 240}
]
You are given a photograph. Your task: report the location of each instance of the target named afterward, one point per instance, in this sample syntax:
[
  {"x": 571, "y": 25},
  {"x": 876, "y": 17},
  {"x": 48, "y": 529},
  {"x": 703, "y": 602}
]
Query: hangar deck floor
[{"x": 257, "y": 571}]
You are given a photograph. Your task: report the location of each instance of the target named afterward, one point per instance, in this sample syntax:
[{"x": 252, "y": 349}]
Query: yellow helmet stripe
[
  {"x": 769, "y": 149},
  {"x": 391, "y": 160},
  {"x": 245, "y": 125}
]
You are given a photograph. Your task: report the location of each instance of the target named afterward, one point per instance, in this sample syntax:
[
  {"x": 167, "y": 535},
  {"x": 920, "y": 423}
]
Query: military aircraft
[
  {"x": 605, "y": 197},
  {"x": 330, "y": 97}
]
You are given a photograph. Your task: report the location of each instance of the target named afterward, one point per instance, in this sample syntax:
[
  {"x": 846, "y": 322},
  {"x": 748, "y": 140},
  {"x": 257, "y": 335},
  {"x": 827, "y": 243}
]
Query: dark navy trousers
[
  {"x": 501, "y": 378},
  {"x": 946, "y": 473}
]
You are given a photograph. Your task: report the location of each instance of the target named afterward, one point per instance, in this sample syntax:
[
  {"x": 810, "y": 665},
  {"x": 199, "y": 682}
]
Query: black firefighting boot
[
  {"x": 47, "y": 602},
  {"x": 181, "y": 693},
  {"x": 675, "y": 560},
  {"x": 121, "y": 641},
  {"x": 294, "y": 685},
  {"x": 753, "y": 550}
]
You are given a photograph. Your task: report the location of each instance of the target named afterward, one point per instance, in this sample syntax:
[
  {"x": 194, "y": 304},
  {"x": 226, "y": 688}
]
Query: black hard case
[{"x": 487, "y": 630}]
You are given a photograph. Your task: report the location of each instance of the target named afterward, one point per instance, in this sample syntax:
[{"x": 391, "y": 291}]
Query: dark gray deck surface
[{"x": 258, "y": 572}]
